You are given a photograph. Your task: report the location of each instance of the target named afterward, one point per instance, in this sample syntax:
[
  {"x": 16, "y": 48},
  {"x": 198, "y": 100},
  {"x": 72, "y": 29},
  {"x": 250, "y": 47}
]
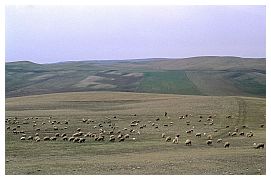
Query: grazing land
[
  {"x": 142, "y": 116},
  {"x": 221, "y": 76}
]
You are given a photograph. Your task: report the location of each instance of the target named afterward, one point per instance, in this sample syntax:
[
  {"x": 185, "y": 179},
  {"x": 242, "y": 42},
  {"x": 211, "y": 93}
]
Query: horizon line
[{"x": 132, "y": 59}]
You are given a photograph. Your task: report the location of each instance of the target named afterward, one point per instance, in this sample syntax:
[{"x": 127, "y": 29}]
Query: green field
[
  {"x": 172, "y": 82},
  {"x": 148, "y": 153}
]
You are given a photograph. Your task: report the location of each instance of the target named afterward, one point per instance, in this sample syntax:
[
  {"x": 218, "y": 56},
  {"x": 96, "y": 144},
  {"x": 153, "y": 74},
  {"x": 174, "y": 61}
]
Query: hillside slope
[{"x": 188, "y": 76}]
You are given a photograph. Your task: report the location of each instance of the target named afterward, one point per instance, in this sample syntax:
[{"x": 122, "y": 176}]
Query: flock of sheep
[
  {"x": 209, "y": 137},
  {"x": 108, "y": 130}
]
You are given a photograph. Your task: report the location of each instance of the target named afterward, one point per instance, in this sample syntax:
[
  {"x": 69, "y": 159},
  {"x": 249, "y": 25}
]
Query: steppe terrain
[{"x": 143, "y": 117}]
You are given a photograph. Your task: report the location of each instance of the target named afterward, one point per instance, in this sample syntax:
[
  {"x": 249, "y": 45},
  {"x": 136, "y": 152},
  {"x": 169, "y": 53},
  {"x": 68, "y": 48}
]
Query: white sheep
[
  {"x": 46, "y": 138},
  {"x": 168, "y": 139},
  {"x": 209, "y": 142},
  {"x": 219, "y": 141},
  {"x": 37, "y": 139},
  {"x": 175, "y": 140},
  {"x": 53, "y": 138},
  {"x": 260, "y": 145},
  {"x": 226, "y": 145},
  {"x": 188, "y": 142}
]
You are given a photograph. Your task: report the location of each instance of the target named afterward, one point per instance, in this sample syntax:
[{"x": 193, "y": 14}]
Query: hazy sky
[{"x": 46, "y": 34}]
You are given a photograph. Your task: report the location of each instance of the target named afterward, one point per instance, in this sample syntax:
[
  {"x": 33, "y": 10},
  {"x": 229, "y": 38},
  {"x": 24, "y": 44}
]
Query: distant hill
[{"x": 208, "y": 75}]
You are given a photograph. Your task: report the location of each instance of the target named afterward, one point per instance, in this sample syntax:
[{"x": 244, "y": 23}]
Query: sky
[{"x": 47, "y": 34}]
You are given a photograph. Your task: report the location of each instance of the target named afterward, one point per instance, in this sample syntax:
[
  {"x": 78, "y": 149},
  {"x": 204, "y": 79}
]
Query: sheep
[
  {"x": 189, "y": 131},
  {"x": 168, "y": 139},
  {"x": 100, "y": 138},
  {"x": 226, "y": 145},
  {"x": 57, "y": 135},
  {"x": 219, "y": 141},
  {"x": 112, "y": 138},
  {"x": 236, "y": 129},
  {"x": 177, "y": 135},
  {"x": 121, "y": 140},
  {"x": 46, "y": 138},
  {"x": 53, "y": 138},
  {"x": 30, "y": 138},
  {"x": 229, "y": 133},
  {"x": 71, "y": 138},
  {"x": 163, "y": 135},
  {"x": 82, "y": 140},
  {"x": 175, "y": 140},
  {"x": 227, "y": 126},
  {"x": 36, "y": 134},
  {"x": 18, "y": 126},
  {"x": 166, "y": 125},
  {"x": 78, "y": 129},
  {"x": 76, "y": 139},
  {"x": 38, "y": 129},
  {"x": 22, "y": 138},
  {"x": 260, "y": 145},
  {"x": 126, "y": 136},
  {"x": 210, "y": 137},
  {"x": 241, "y": 133},
  {"x": 65, "y": 138},
  {"x": 55, "y": 128},
  {"x": 188, "y": 142},
  {"x": 244, "y": 126},
  {"x": 262, "y": 125},
  {"x": 250, "y": 134},
  {"x": 200, "y": 117},
  {"x": 37, "y": 139},
  {"x": 209, "y": 142},
  {"x": 233, "y": 134},
  {"x": 119, "y": 136},
  {"x": 135, "y": 124},
  {"x": 63, "y": 135},
  {"x": 198, "y": 135}
]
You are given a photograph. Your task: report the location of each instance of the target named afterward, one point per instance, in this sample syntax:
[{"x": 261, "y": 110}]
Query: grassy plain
[{"x": 149, "y": 153}]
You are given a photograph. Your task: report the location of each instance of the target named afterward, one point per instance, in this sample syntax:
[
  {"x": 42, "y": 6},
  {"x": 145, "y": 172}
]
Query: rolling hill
[{"x": 208, "y": 75}]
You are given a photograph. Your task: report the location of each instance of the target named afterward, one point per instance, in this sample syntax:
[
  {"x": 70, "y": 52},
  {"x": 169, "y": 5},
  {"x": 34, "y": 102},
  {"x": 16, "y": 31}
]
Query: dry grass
[{"x": 149, "y": 154}]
